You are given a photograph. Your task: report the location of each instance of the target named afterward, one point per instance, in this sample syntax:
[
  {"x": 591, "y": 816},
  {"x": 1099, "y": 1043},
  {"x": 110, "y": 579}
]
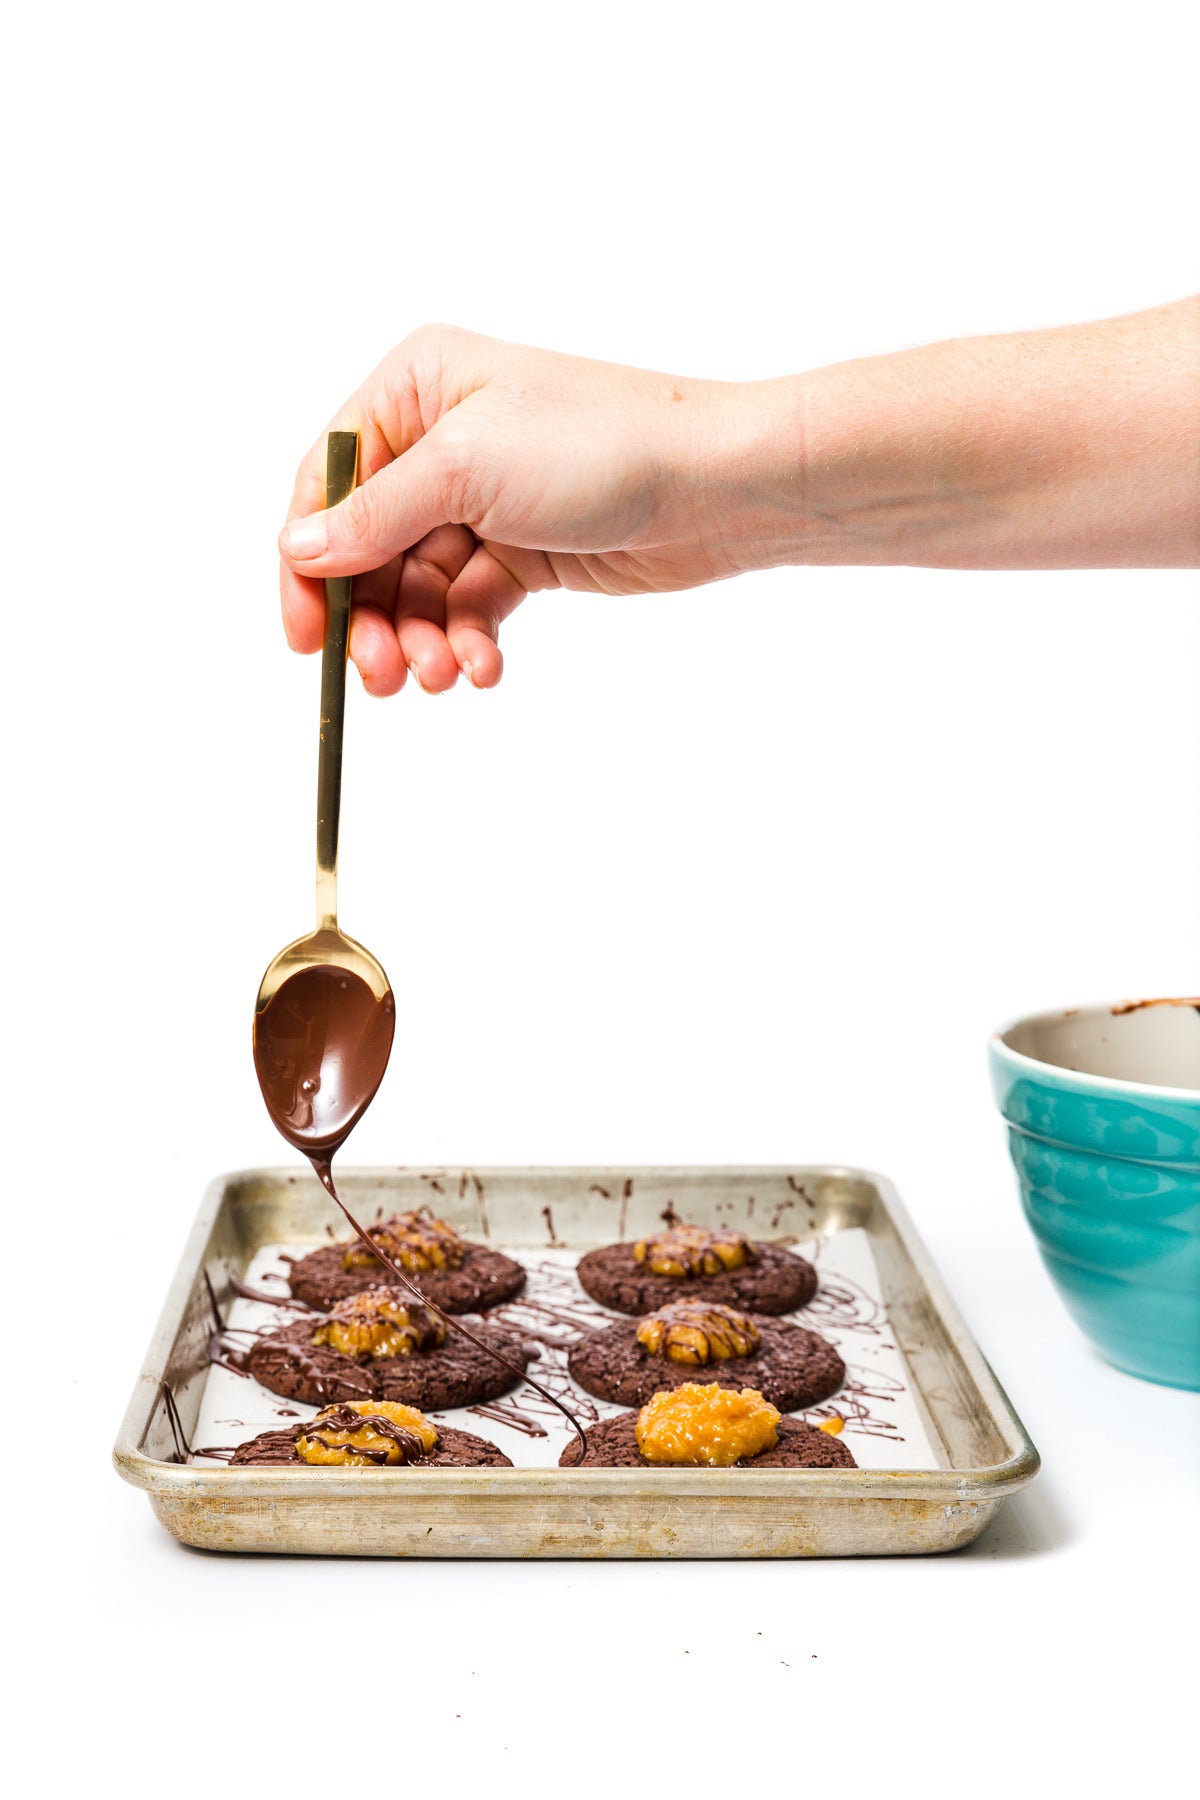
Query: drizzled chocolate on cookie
[
  {"x": 363, "y": 1433},
  {"x": 382, "y": 1322},
  {"x": 367, "y": 1434},
  {"x": 691, "y": 1332},
  {"x": 415, "y": 1240},
  {"x": 451, "y": 1273}
]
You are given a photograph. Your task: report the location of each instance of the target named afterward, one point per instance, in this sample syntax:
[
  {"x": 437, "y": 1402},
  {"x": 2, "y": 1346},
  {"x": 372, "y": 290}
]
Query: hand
[{"x": 488, "y": 470}]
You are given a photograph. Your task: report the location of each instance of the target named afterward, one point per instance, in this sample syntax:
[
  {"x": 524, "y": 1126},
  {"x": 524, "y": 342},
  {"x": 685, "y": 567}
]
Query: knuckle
[
  {"x": 360, "y": 518},
  {"x": 440, "y": 354},
  {"x": 457, "y": 465},
  {"x": 434, "y": 334}
]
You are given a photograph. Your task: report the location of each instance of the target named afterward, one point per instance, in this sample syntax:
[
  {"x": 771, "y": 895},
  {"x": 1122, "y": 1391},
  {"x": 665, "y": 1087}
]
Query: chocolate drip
[
  {"x": 321, "y": 1045},
  {"x": 311, "y": 1370},
  {"x": 1130, "y": 1006},
  {"x": 222, "y": 1357},
  {"x": 326, "y": 1174},
  {"x": 182, "y": 1451},
  {"x": 248, "y": 1293},
  {"x": 511, "y": 1416},
  {"x": 215, "y": 1310}
]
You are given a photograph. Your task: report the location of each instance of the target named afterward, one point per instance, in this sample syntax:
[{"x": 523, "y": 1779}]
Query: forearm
[{"x": 1074, "y": 448}]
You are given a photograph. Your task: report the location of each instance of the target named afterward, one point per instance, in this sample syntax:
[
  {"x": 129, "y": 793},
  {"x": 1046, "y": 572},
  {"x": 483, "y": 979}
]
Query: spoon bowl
[{"x": 326, "y": 946}]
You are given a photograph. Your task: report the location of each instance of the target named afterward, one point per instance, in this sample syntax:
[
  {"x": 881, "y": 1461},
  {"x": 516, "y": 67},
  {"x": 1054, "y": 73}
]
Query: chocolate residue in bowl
[{"x": 1131, "y": 1006}]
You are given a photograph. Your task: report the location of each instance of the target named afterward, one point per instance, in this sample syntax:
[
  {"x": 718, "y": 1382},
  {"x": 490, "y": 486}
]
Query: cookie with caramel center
[
  {"x": 718, "y": 1266},
  {"x": 613, "y": 1444},
  {"x": 404, "y": 1353},
  {"x": 453, "y": 1450},
  {"x": 792, "y": 1366},
  {"x": 469, "y": 1277}
]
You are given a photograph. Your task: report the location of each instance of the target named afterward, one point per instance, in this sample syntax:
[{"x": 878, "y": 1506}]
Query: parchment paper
[{"x": 882, "y": 1425}]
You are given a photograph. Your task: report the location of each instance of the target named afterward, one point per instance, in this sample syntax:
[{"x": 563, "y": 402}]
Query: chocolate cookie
[
  {"x": 612, "y": 1445},
  {"x": 483, "y": 1278},
  {"x": 454, "y": 1450},
  {"x": 792, "y": 1367},
  {"x": 776, "y": 1281},
  {"x": 456, "y": 1373}
]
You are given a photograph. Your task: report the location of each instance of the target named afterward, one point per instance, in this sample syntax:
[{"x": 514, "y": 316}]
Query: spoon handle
[{"x": 341, "y": 467}]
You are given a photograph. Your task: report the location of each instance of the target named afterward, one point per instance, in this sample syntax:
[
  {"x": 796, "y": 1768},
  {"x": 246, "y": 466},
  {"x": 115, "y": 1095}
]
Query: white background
[{"x": 742, "y": 874}]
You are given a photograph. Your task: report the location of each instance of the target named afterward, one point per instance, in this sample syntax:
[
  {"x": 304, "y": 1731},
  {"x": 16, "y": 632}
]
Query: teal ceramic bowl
[{"x": 1103, "y": 1112}]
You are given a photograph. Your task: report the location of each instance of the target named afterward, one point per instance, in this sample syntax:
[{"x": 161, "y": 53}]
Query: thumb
[{"x": 389, "y": 513}]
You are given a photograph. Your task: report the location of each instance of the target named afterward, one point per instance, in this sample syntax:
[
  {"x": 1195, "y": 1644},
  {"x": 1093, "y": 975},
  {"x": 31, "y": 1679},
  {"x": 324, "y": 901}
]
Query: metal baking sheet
[{"x": 961, "y": 1451}]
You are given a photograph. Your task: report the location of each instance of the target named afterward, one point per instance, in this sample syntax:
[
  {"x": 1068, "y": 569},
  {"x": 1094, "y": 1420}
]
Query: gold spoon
[
  {"x": 325, "y": 1014},
  {"x": 324, "y": 1017}
]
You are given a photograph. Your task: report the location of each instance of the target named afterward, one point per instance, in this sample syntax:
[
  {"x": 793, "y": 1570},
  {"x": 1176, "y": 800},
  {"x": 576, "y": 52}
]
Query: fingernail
[
  {"x": 468, "y": 670},
  {"x": 416, "y": 675},
  {"x": 304, "y": 539}
]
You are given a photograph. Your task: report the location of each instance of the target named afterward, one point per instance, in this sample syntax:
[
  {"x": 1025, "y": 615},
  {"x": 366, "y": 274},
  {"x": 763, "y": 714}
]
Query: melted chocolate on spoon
[{"x": 321, "y": 1046}]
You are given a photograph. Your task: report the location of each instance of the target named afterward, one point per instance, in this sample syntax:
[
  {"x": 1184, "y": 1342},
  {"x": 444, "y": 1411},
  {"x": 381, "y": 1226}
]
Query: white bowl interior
[{"x": 1154, "y": 1043}]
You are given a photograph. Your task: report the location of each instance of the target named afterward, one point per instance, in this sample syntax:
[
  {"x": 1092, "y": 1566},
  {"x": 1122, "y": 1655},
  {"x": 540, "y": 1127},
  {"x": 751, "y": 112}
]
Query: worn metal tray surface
[{"x": 980, "y": 1446}]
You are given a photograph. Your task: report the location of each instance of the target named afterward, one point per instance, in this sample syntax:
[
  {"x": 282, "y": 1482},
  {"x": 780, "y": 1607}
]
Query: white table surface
[{"x": 961, "y": 1668}]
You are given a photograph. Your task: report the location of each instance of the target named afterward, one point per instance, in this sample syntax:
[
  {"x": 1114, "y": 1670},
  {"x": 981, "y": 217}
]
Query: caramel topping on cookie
[
  {"x": 381, "y": 1323},
  {"x": 363, "y": 1433},
  {"x": 702, "y": 1424},
  {"x": 694, "y": 1250},
  {"x": 415, "y": 1240},
  {"x": 689, "y": 1331}
]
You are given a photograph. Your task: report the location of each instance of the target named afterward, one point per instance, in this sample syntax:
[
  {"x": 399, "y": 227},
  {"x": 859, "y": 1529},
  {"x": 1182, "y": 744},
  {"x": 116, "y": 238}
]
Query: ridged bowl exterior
[{"x": 1109, "y": 1173}]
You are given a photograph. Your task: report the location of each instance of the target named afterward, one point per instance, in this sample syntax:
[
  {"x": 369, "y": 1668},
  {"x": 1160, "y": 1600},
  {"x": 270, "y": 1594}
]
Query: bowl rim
[{"x": 1077, "y": 1079}]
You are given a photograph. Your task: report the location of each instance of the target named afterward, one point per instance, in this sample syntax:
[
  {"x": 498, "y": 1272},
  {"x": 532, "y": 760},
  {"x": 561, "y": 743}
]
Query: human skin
[{"x": 489, "y": 470}]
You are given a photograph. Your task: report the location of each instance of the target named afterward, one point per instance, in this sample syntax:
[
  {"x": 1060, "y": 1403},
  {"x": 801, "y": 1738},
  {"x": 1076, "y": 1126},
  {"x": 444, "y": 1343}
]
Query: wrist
[{"x": 741, "y": 463}]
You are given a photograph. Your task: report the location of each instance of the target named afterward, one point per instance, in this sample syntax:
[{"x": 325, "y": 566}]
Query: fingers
[
  {"x": 430, "y": 570},
  {"x": 484, "y": 594},
  {"x": 303, "y": 606},
  {"x": 431, "y": 612},
  {"x": 376, "y": 653}
]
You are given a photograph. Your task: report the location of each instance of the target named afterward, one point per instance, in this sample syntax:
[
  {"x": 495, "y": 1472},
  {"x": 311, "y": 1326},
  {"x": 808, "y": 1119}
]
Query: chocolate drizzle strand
[{"x": 182, "y": 1452}]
